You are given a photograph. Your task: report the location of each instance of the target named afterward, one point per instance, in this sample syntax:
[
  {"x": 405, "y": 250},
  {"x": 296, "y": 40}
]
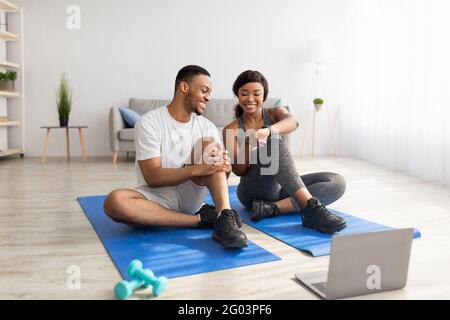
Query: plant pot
[
  {"x": 318, "y": 107},
  {"x": 63, "y": 122},
  {"x": 7, "y": 85}
]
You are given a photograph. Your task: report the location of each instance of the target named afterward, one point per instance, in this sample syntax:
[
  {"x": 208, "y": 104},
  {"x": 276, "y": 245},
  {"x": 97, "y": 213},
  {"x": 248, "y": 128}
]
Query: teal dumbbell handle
[
  {"x": 124, "y": 289},
  {"x": 158, "y": 284},
  {"x": 135, "y": 270}
]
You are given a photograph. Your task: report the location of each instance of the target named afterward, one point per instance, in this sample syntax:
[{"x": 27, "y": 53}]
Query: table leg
[
  {"x": 332, "y": 132},
  {"x": 68, "y": 144},
  {"x": 83, "y": 149},
  {"x": 304, "y": 135},
  {"x": 44, "y": 154},
  {"x": 115, "y": 153},
  {"x": 314, "y": 133}
]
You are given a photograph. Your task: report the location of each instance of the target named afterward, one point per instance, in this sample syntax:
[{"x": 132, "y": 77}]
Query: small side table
[
  {"x": 314, "y": 112},
  {"x": 80, "y": 133}
]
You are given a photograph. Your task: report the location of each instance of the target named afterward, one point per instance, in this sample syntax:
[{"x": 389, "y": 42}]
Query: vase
[
  {"x": 7, "y": 85},
  {"x": 63, "y": 122},
  {"x": 318, "y": 107}
]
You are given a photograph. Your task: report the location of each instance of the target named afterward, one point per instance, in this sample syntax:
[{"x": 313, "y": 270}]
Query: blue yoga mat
[
  {"x": 169, "y": 252},
  {"x": 288, "y": 228}
]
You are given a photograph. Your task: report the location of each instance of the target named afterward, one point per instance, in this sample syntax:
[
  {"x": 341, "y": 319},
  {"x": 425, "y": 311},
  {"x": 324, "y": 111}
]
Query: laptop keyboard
[{"x": 321, "y": 286}]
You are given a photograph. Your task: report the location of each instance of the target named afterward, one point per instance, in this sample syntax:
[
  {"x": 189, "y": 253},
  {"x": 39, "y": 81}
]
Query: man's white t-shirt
[{"x": 157, "y": 134}]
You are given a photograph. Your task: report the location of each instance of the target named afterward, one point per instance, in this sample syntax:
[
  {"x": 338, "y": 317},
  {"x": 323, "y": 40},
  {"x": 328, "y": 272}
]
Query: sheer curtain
[{"x": 397, "y": 88}]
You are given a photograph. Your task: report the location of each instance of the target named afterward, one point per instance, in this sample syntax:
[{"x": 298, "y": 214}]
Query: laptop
[{"x": 363, "y": 263}]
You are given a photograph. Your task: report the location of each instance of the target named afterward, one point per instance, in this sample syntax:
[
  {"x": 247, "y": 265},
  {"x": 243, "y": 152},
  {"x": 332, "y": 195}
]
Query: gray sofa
[{"x": 219, "y": 111}]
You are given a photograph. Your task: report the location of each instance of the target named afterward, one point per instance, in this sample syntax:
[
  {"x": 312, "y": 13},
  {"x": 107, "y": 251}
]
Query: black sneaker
[
  {"x": 226, "y": 231},
  {"x": 263, "y": 209},
  {"x": 208, "y": 217},
  {"x": 316, "y": 216}
]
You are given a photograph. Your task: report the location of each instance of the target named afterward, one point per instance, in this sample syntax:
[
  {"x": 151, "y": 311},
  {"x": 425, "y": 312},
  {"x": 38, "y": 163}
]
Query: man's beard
[{"x": 190, "y": 103}]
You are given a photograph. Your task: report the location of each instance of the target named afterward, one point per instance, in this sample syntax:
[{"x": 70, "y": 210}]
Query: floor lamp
[{"x": 315, "y": 53}]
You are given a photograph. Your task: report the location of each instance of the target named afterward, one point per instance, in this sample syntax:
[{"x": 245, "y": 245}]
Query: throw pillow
[
  {"x": 129, "y": 116},
  {"x": 278, "y": 103}
]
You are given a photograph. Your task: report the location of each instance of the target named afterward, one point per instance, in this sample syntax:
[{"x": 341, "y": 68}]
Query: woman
[{"x": 256, "y": 133}]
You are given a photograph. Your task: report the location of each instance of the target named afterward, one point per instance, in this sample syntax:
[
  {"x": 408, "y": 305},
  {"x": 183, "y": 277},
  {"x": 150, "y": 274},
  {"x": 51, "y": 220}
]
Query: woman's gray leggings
[{"x": 326, "y": 186}]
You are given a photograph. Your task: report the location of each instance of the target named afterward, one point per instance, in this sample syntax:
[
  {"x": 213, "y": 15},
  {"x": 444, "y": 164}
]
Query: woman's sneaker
[
  {"x": 226, "y": 231},
  {"x": 316, "y": 216},
  {"x": 263, "y": 209}
]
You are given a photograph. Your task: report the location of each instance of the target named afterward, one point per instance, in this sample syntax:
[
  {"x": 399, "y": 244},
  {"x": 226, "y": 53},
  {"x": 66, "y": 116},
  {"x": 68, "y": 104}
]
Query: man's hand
[
  {"x": 220, "y": 160},
  {"x": 214, "y": 160},
  {"x": 226, "y": 162},
  {"x": 204, "y": 169}
]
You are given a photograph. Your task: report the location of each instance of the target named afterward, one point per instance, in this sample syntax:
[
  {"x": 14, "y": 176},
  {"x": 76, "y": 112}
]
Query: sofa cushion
[
  {"x": 129, "y": 116},
  {"x": 126, "y": 134},
  {"x": 218, "y": 111},
  {"x": 142, "y": 106}
]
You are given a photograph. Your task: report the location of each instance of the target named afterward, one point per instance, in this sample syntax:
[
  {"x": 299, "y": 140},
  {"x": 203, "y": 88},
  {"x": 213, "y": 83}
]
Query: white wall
[
  {"x": 134, "y": 49},
  {"x": 397, "y": 93}
]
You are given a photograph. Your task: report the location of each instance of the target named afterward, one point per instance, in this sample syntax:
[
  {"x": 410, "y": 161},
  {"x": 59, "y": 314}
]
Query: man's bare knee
[
  {"x": 110, "y": 206},
  {"x": 204, "y": 181},
  {"x": 114, "y": 205}
]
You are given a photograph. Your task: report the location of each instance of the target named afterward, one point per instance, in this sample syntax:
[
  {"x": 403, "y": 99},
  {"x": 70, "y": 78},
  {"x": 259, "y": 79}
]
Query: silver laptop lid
[{"x": 368, "y": 262}]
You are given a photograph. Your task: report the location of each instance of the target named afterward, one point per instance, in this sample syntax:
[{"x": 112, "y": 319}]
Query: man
[{"x": 179, "y": 157}]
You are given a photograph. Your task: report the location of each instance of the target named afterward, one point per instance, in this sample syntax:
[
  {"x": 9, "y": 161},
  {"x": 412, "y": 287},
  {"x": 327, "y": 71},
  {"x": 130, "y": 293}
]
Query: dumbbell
[{"x": 142, "y": 278}]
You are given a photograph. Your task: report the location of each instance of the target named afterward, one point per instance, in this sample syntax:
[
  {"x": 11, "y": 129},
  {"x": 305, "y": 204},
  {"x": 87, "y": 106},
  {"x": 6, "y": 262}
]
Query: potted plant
[
  {"x": 7, "y": 81},
  {"x": 64, "y": 101},
  {"x": 318, "y": 102}
]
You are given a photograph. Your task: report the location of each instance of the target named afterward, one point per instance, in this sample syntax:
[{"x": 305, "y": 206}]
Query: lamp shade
[{"x": 316, "y": 52}]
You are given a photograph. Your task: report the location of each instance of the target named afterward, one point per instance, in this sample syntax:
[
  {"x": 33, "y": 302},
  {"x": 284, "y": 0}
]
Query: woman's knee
[
  {"x": 244, "y": 198},
  {"x": 339, "y": 182}
]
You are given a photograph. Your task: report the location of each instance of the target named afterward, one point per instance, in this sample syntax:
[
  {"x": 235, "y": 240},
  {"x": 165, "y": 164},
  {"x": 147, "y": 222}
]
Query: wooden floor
[{"x": 43, "y": 231}]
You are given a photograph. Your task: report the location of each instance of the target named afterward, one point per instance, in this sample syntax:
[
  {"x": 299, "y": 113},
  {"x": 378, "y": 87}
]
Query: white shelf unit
[
  {"x": 7, "y": 6},
  {"x": 9, "y": 65},
  {"x": 12, "y": 104},
  {"x": 9, "y": 123}
]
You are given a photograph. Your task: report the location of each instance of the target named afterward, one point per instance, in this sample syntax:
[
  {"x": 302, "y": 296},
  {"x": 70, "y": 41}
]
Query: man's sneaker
[
  {"x": 226, "y": 231},
  {"x": 316, "y": 216},
  {"x": 208, "y": 217},
  {"x": 263, "y": 209}
]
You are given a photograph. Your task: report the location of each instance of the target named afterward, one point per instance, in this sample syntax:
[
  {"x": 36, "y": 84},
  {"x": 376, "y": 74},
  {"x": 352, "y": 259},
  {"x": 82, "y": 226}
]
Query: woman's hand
[
  {"x": 258, "y": 138},
  {"x": 263, "y": 134}
]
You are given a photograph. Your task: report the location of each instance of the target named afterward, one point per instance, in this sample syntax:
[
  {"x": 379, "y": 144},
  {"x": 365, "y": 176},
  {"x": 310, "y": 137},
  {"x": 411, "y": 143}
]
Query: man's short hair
[{"x": 187, "y": 73}]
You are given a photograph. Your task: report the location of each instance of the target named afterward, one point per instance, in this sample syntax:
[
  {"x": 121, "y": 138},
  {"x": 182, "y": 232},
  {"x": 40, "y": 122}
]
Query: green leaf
[
  {"x": 318, "y": 101},
  {"x": 64, "y": 98}
]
